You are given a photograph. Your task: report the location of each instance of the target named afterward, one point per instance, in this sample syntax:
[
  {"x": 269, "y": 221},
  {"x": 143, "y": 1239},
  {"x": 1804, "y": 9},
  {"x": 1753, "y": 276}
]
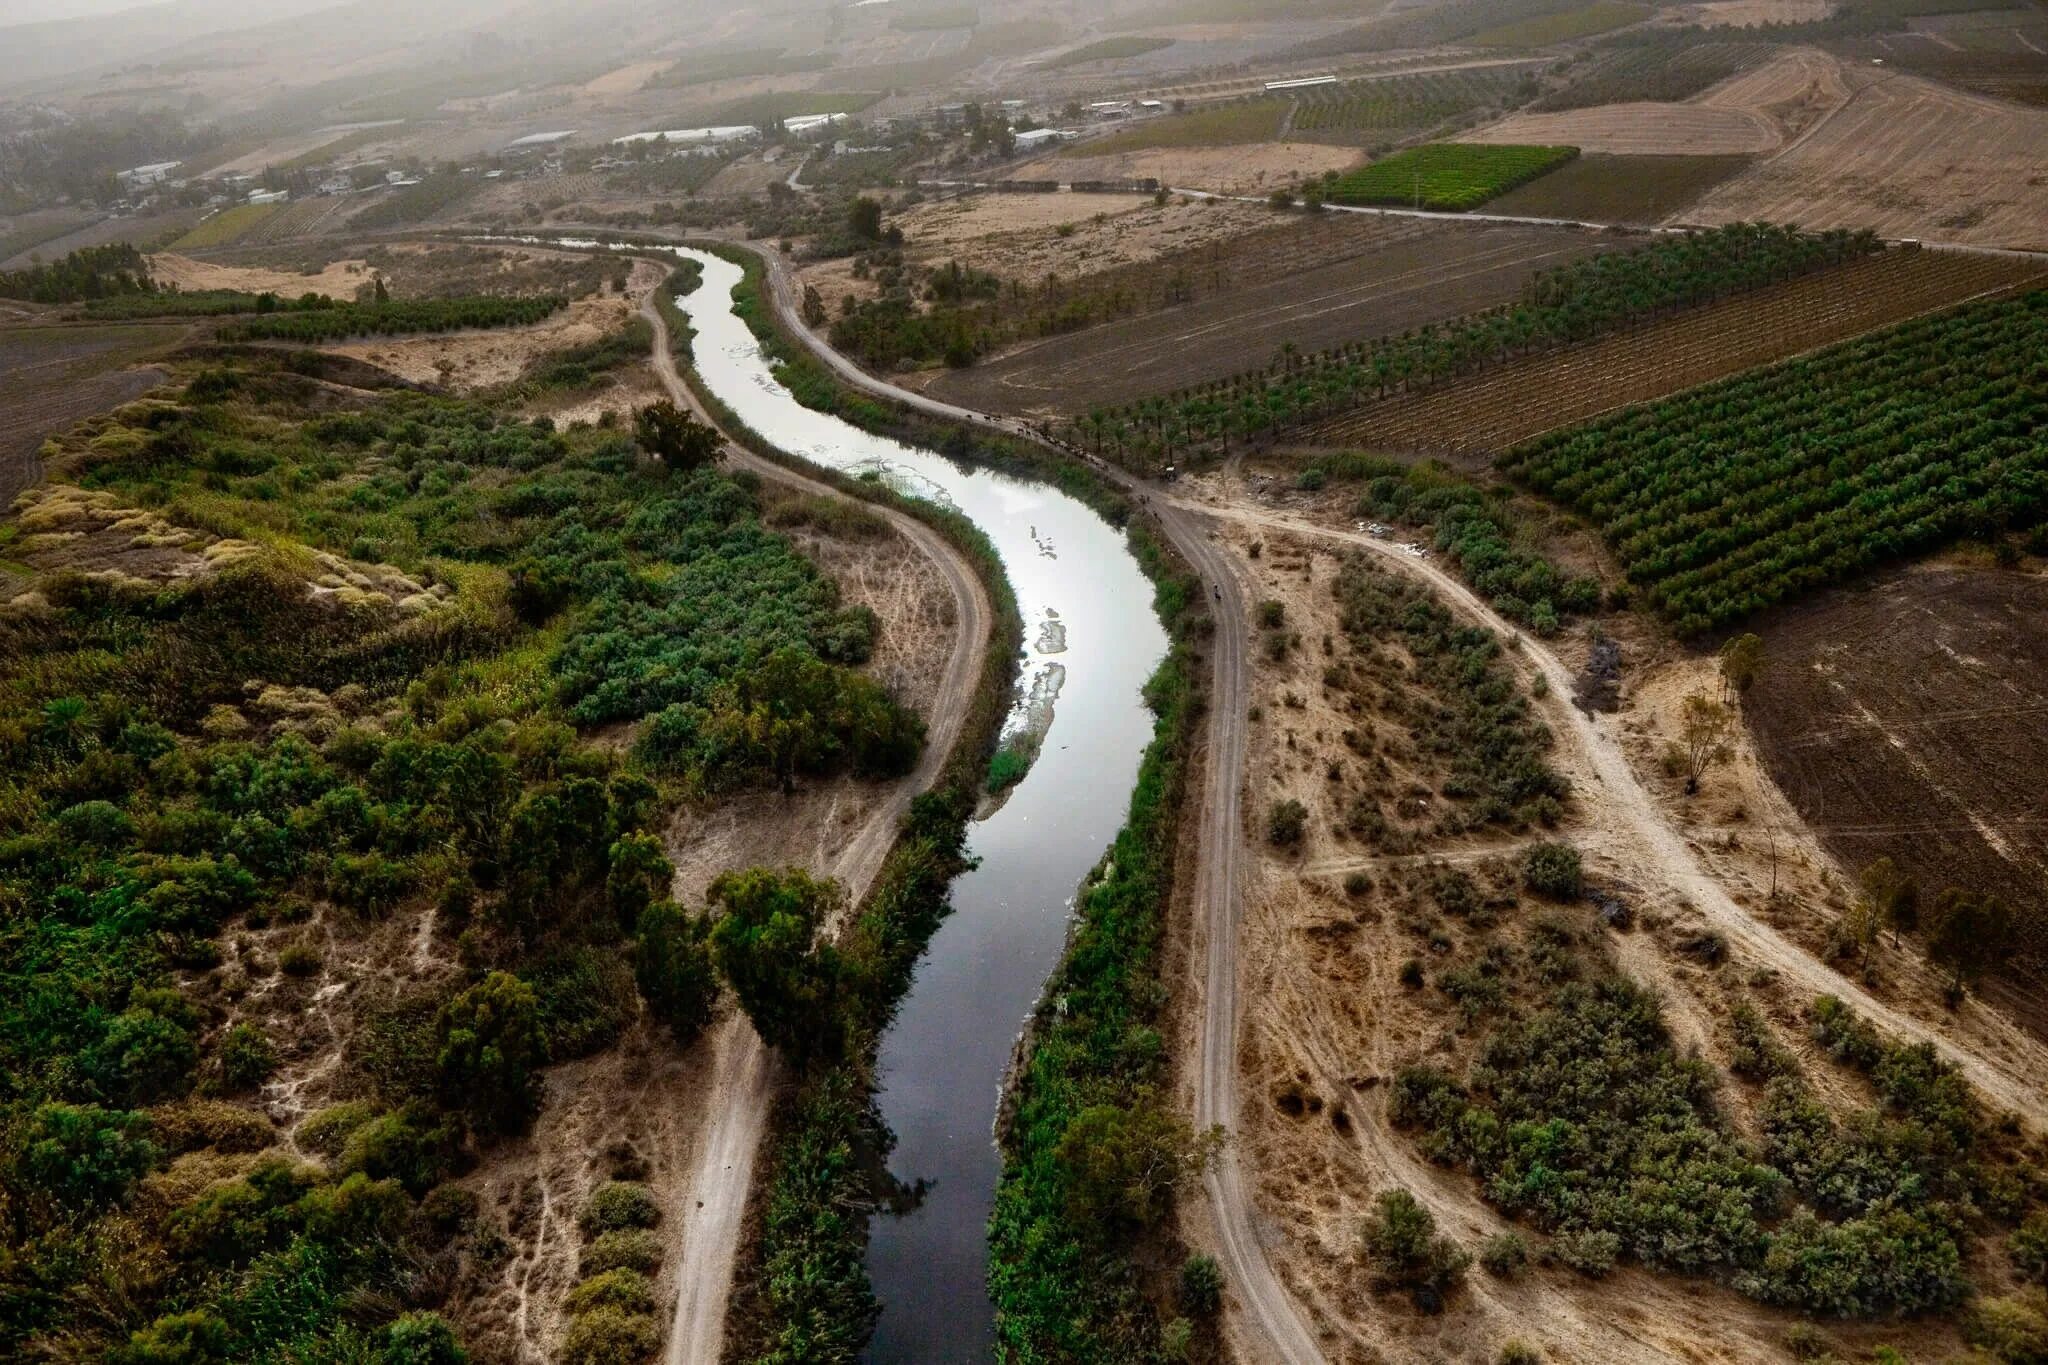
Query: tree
[
  {"x": 1966, "y": 933},
  {"x": 674, "y": 437},
  {"x": 491, "y": 1045},
  {"x": 1402, "y": 1251},
  {"x": 639, "y": 872},
  {"x": 1742, "y": 662},
  {"x": 864, "y": 219},
  {"x": 1286, "y": 822},
  {"x": 814, "y": 307},
  {"x": 1123, "y": 1164},
  {"x": 1201, "y": 1285},
  {"x": 1859, "y": 927},
  {"x": 1895, "y": 895},
  {"x": 672, "y": 964},
  {"x": 794, "y": 712},
  {"x": 764, "y": 945},
  {"x": 84, "y": 1156},
  {"x": 1704, "y": 726}
]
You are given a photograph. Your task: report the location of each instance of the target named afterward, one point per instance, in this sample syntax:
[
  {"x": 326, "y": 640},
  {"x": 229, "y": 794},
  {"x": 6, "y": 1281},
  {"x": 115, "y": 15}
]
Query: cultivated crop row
[
  {"x": 393, "y": 319},
  {"x": 1450, "y": 176},
  {"x": 1730, "y": 498},
  {"x": 1573, "y": 303},
  {"x": 1654, "y": 65},
  {"x": 1404, "y": 102}
]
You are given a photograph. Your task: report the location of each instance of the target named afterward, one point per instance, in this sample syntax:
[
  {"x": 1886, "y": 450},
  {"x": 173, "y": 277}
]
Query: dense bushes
[
  {"x": 94, "y": 272},
  {"x": 1582, "y": 1118}
]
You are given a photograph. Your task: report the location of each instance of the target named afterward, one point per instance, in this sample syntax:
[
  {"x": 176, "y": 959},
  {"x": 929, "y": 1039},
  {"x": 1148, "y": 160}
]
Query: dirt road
[
  {"x": 1267, "y": 1326},
  {"x": 744, "y": 1069},
  {"x": 1623, "y": 808}
]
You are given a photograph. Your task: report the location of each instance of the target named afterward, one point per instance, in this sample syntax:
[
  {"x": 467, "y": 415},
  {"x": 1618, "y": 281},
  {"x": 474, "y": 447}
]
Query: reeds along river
[{"x": 1087, "y": 612}]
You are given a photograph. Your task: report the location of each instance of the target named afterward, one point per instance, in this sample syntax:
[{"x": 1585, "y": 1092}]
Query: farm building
[
  {"x": 534, "y": 141},
  {"x": 153, "y": 174},
  {"x": 1300, "y": 83},
  {"x": 1036, "y": 138}
]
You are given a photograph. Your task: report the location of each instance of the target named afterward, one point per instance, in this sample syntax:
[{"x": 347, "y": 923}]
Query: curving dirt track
[{"x": 744, "y": 1071}]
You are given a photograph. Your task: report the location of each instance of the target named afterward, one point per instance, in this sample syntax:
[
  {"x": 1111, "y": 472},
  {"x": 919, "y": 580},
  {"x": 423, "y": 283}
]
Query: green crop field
[
  {"x": 1398, "y": 103},
  {"x": 1253, "y": 120},
  {"x": 1109, "y": 49},
  {"x": 1731, "y": 498},
  {"x": 1600, "y": 188},
  {"x": 1451, "y": 176},
  {"x": 1544, "y": 30},
  {"x": 225, "y": 227}
]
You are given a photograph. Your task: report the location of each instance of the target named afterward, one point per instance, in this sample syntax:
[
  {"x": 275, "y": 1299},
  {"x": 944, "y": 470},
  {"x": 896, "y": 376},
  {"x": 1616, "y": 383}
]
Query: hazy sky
[{"x": 29, "y": 11}]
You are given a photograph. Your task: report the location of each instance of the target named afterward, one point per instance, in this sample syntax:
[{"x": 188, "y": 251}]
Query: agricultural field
[
  {"x": 1664, "y": 67},
  {"x": 1471, "y": 420},
  {"x": 147, "y": 231},
  {"x": 1602, "y": 188},
  {"x": 1311, "y": 282},
  {"x": 1448, "y": 176},
  {"x": 312, "y": 327},
  {"x": 1545, "y": 30},
  {"x": 1564, "y": 306},
  {"x": 1418, "y": 26},
  {"x": 53, "y": 377},
  {"x": 1252, "y": 120},
  {"x": 1118, "y": 48},
  {"x": 1731, "y": 498},
  {"x": 1388, "y": 106},
  {"x": 1907, "y": 158},
  {"x": 1903, "y": 717},
  {"x": 226, "y": 227}
]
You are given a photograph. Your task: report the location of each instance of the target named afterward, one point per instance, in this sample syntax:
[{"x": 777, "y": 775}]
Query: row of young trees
[
  {"x": 1732, "y": 497},
  {"x": 312, "y": 326},
  {"x": 1572, "y": 303}
]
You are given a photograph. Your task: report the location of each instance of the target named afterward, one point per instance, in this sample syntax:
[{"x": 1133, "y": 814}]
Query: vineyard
[
  {"x": 1729, "y": 499},
  {"x": 338, "y": 323},
  {"x": 1402, "y": 103},
  {"x": 1571, "y": 304},
  {"x": 417, "y": 203},
  {"x": 1525, "y": 398},
  {"x": 1655, "y": 65},
  {"x": 1450, "y": 176},
  {"x": 1542, "y": 31}
]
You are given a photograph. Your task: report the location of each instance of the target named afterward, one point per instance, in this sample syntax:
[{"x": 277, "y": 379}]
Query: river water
[{"x": 1087, "y": 615}]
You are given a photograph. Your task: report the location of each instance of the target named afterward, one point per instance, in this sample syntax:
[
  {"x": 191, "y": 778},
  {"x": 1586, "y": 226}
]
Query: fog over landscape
[{"x": 1158, "y": 681}]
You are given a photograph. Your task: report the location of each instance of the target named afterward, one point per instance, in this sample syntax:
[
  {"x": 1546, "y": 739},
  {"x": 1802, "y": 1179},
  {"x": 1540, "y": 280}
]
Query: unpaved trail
[
  {"x": 1620, "y": 805},
  {"x": 744, "y": 1070},
  {"x": 1267, "y": 1325}
]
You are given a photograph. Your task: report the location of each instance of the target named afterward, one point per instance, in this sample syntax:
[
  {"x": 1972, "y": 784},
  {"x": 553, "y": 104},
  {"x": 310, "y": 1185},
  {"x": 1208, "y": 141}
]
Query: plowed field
[
  {"x": 1908, "y": 718},
  {"x": 1475, "y": 419},
  {"x": 51, "y": 377}
]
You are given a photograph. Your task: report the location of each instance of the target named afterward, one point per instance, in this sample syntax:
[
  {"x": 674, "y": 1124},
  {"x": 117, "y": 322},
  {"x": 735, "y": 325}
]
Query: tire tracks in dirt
[{"x": 745, "y": 1072}]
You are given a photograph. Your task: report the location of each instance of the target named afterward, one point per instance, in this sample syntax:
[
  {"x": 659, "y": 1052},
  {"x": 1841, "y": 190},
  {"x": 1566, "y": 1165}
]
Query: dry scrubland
[{"x": 1471, "y": 420}]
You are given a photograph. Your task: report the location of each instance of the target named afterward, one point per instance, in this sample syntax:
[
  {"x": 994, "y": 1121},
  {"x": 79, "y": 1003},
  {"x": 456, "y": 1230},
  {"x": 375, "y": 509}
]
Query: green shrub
[
  {"x": 420, "y": 1339},
  {"x": 325, "y": 1130},
  {"x": 1201, "y": 1286},
  {"x": 246, "y": 1057},
  {"x": 2028, "y": 1247},
  {"x": 625, "y": 1290},
  {"x": 1403, "y": 1251},
  {"x": 621, "y": 1249},
  {"x": 490, "y": 1045},
  {"x": 1286, "y": 823},
  {"x": 672, "y": 967},
  {"x": 610, "y": 1336},
  {"x": 617, "y": 1205},
  {"x": 1504, "y": 1254},
  {"x": 299, "y": 959},
  {"x": 1519, "y": 1353},
  {"x": 1551, "y": 869},
  {"x": 2014, "y": 1331},
  {"x": 85, "y": 1156}
]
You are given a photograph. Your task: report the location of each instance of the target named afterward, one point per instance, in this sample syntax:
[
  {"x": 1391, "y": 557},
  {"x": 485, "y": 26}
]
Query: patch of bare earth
[
  {"x": 336, "y": 279},
  {"x": 1907, "y": 718},
  {"x": 1252, "y": 168},
  {"x": 1907, "y": 158}
]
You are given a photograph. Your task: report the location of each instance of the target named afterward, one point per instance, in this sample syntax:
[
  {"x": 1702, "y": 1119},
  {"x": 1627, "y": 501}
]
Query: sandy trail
[
  {"x": 745, "y": 1071},
  {"x": 1619, "y": 804}
]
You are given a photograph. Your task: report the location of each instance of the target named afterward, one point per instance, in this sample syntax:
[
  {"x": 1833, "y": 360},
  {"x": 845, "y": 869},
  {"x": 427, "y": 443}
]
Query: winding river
[{"x": 1091, "y": 640}]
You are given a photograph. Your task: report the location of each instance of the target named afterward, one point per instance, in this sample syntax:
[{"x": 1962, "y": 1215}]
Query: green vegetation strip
[
  {"x": 225, "y": 227},
  {"x": 1562, "y": 28},
  {"x": 1745, "y": 493},
  {"x": 1447, "y": 176},
  {"x": 1119, "y": 48},
  {"x": 395, "y": 318},
  {"x": 1573, "y": 303}
]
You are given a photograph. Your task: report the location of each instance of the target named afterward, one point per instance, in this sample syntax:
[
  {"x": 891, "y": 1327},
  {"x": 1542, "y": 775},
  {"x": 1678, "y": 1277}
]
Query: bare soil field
[
  {"x": 1908, "y": 158},
  {"x": 1907, "y": 718},
  {"x": 1601, "y": 188},
  {"x": 1471, "y": 421},
  {"x": 1338, "y": 278},
  {"x": 1752, "y": 113},
  {"x": 336, "y": 279},
  {"x": 52, "y": 377},
  {"x": 146, "y": 231},
  {"x": 1249, "y": 169}
]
